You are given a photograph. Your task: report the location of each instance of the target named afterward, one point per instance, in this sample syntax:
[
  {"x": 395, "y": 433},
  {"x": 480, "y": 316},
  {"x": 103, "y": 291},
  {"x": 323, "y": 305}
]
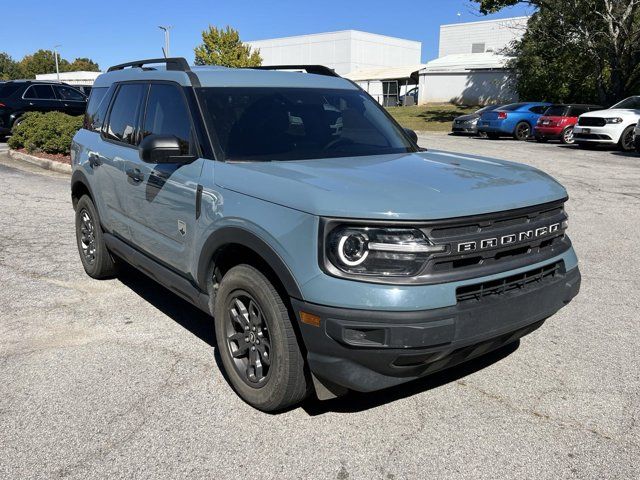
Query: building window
[
  {"x": 390, "y": 93},
  {"x": 478, "y": 48}
]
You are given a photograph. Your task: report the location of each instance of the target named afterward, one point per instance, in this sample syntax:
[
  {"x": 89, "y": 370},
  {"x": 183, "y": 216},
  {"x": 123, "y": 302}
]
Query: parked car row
[
  {"x": 18, "y": 97},
  {"x": 585, "y": 125}
]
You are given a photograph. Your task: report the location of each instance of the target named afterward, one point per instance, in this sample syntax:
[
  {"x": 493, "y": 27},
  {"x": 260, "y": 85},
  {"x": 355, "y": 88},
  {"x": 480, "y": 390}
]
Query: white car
[{"x": 609, "y": 127}]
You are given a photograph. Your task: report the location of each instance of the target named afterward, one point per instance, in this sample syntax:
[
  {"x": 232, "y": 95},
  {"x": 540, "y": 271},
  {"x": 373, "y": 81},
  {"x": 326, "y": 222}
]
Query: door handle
[
  {"x": 94, "y": 160},
  {"x": 135, "y": 174}
]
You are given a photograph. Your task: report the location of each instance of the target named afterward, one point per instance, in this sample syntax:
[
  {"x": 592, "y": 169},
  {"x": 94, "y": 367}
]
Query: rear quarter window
[
  {"x": 8, "y": 89},
  {"x": 97, "y": 108}
]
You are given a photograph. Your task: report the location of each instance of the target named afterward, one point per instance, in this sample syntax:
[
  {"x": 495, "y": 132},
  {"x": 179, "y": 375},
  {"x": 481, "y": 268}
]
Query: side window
[
  {"x": 123, "y": 118},
  {"x": 39, "y": 92},
  {"x": 167, "y": 114},
  {"x": 97, "y": 108},
  {"x": 66, "y": 93}
]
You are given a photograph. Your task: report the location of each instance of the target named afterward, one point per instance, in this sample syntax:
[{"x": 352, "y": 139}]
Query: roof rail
[
  {"x": 314, "y": 69},
  {"x": 176, "y": 63}
]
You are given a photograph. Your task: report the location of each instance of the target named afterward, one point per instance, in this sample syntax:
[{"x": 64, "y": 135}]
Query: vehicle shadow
[
  {"x": 201, "y": 325},
  {"x": 358, "y": 402}
]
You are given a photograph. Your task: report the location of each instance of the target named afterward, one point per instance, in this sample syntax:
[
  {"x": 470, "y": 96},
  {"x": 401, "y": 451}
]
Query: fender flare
[
  {"x": 79, "y": 177},
  {"x": 245, "y": 238}
]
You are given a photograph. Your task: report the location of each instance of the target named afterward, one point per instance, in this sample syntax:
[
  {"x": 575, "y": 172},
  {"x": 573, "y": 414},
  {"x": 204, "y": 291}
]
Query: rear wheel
[
  {"x": 522, "y": 131},
  {"x": 16, "y": 123},
  {"x": 257, "y": 341},
  {"x": 567, "y": 136},
  {"x": 96, "y": 259},
  {"x": 626, "y": 140}
]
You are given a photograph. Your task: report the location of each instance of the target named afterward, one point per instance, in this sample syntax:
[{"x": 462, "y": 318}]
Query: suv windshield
[
  {"x": 557, "y": 111},
  {"x": 631, "y": 103},
  {"x": 264, "y": 124}
]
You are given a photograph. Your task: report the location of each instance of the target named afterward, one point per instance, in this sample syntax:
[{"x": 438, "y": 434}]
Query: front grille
[
  {"x": 591, "y": 122},
  {"x": 530, "y": 279},
  {"x": 456, "y": 264}
]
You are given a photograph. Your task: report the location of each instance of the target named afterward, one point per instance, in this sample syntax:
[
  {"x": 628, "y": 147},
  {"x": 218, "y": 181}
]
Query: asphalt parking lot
[{"x": 120, "y": 379}]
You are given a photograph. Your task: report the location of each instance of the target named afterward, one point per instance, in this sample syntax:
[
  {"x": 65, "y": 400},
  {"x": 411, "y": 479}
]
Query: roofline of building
[
  {"x": 522, "y": 17},
  {"x": 332, "y": 33}
]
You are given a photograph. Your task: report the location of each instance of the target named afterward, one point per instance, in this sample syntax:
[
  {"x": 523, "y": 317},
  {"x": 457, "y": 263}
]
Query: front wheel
[
  {"x": 257, "y": 341},
  {"x": 626, "y": 140},
  {"x": 522, "y": 131}
]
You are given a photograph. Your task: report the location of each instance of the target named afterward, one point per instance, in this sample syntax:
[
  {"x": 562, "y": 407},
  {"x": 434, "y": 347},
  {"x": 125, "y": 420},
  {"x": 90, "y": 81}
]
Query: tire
[
  {"x": 95, "y": 257},
  {"x": 540, "y": 139},
  {"x": 626, "y": 143},
  {"x": 16, "y": 123},
  {"x": 566, "y": 137},
  {"x": 522, "y": 131},
  {"x": 253, "y": 324},
  {"x": 493, "y": 136}
]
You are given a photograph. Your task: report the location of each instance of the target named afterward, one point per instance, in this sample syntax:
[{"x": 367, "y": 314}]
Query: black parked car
[
  {"x": 21, "y": 96},
  {"x": 468, "y": 124}
]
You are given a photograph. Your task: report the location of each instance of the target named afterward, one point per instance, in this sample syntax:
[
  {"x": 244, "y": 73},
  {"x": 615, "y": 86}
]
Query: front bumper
[
  {"x": 609, "y": 134},
  {"x": 465, "y": 128},
  {"x": 370, "y": 350}
]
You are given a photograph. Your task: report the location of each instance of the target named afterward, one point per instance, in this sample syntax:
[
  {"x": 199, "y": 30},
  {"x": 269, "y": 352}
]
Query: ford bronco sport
[{"x": 333, "y": 253}]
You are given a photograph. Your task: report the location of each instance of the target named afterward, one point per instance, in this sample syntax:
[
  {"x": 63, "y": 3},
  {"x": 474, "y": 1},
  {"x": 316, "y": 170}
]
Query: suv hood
[
  {"x": 413, "y": 186},
  {"x": 612, "y": 112}
]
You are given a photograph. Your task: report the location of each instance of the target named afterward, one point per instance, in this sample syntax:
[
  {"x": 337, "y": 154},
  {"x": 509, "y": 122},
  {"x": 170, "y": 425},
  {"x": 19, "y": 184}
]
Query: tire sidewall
[
  {"x": 246, "y": 278},
  {"x": 85, "y": 203}
]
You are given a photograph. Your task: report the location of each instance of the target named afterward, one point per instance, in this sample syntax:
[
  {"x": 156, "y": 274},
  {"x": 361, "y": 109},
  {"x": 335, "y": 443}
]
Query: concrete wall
[
  {"x": 343, "y": 51},
  {"x": 495, "y": 34},
  {"x": 470, "y": 88}
]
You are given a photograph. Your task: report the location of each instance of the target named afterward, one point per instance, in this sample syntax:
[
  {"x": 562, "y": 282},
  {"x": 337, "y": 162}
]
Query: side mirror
[
  {"x": 412, "y": 135},
  {"x": 162, "y": 149}
]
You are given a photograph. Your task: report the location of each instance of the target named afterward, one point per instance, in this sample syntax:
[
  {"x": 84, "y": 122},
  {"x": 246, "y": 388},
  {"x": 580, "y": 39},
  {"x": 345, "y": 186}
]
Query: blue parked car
[{"x": 517, "y": 120}]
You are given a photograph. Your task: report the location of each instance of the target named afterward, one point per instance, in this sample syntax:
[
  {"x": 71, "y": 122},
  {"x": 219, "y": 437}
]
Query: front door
[
  {"x": 40, "y": 98},
  {"x": 163, "y": 200}
]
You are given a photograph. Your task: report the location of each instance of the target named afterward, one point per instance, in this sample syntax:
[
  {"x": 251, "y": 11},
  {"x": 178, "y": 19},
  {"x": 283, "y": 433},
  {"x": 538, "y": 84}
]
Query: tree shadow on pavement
[{"x": 358, "y": 402}]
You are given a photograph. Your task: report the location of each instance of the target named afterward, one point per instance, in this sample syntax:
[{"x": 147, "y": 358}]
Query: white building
[
  {"x": 344, "y": 51},
  {"x": 387, "y": 84},
  {"x": 71, "y": 78},
  {"x": 472, "y": 68}
]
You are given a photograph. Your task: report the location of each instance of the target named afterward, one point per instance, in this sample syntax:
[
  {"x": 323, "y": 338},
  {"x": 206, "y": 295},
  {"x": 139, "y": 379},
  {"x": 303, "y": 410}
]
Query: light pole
[
  {"x": 166, "y": 29},
  {"x": 55, "y": 55}
]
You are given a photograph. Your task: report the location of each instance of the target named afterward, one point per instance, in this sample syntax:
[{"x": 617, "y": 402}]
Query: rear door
[
  {"x": 163, "y": 207},
  {"x": 40, "y": 98},
  {"x": 118, "y": 148},
  {"x": 72, "y": 102}
]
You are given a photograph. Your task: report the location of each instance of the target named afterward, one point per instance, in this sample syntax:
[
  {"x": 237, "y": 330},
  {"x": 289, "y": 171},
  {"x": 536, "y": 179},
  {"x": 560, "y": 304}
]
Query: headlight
[
  {"x": 613, "y": 120},
  {"x": 378, "y": 251}
]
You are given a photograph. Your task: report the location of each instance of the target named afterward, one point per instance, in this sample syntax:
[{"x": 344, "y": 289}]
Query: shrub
[{"x": 49, "y": 132}]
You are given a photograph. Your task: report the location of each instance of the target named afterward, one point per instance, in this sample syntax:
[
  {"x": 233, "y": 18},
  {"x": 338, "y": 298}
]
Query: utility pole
[
  {"x": 166, "y": 29},
  {"x": 55, "y": 54}
]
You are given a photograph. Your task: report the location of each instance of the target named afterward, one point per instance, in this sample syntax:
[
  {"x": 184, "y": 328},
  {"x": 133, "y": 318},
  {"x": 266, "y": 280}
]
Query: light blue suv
[{"x": 333, "y": 253}]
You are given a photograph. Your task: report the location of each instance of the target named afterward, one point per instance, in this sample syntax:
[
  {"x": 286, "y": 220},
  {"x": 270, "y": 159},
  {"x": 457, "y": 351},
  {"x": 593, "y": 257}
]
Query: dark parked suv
[{"x": 21, "y": 96}]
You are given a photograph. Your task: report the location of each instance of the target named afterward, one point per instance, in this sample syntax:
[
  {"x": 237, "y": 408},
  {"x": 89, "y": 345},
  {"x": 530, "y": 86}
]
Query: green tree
[
  {"x": 9, "y": 69},
  {"x": 41, "y": 61},
  {"x": 585, "y": 50},
  {"x": 223, "y": 47},
  {"x": 83, "y": 64}
]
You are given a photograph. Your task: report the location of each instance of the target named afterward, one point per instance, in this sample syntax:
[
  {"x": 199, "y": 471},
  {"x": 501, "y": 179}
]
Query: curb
[{"x": 41, "y": 162}]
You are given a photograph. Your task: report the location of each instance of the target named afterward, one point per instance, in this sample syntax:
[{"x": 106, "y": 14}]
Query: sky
[{"x": 122, "y": 30}]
